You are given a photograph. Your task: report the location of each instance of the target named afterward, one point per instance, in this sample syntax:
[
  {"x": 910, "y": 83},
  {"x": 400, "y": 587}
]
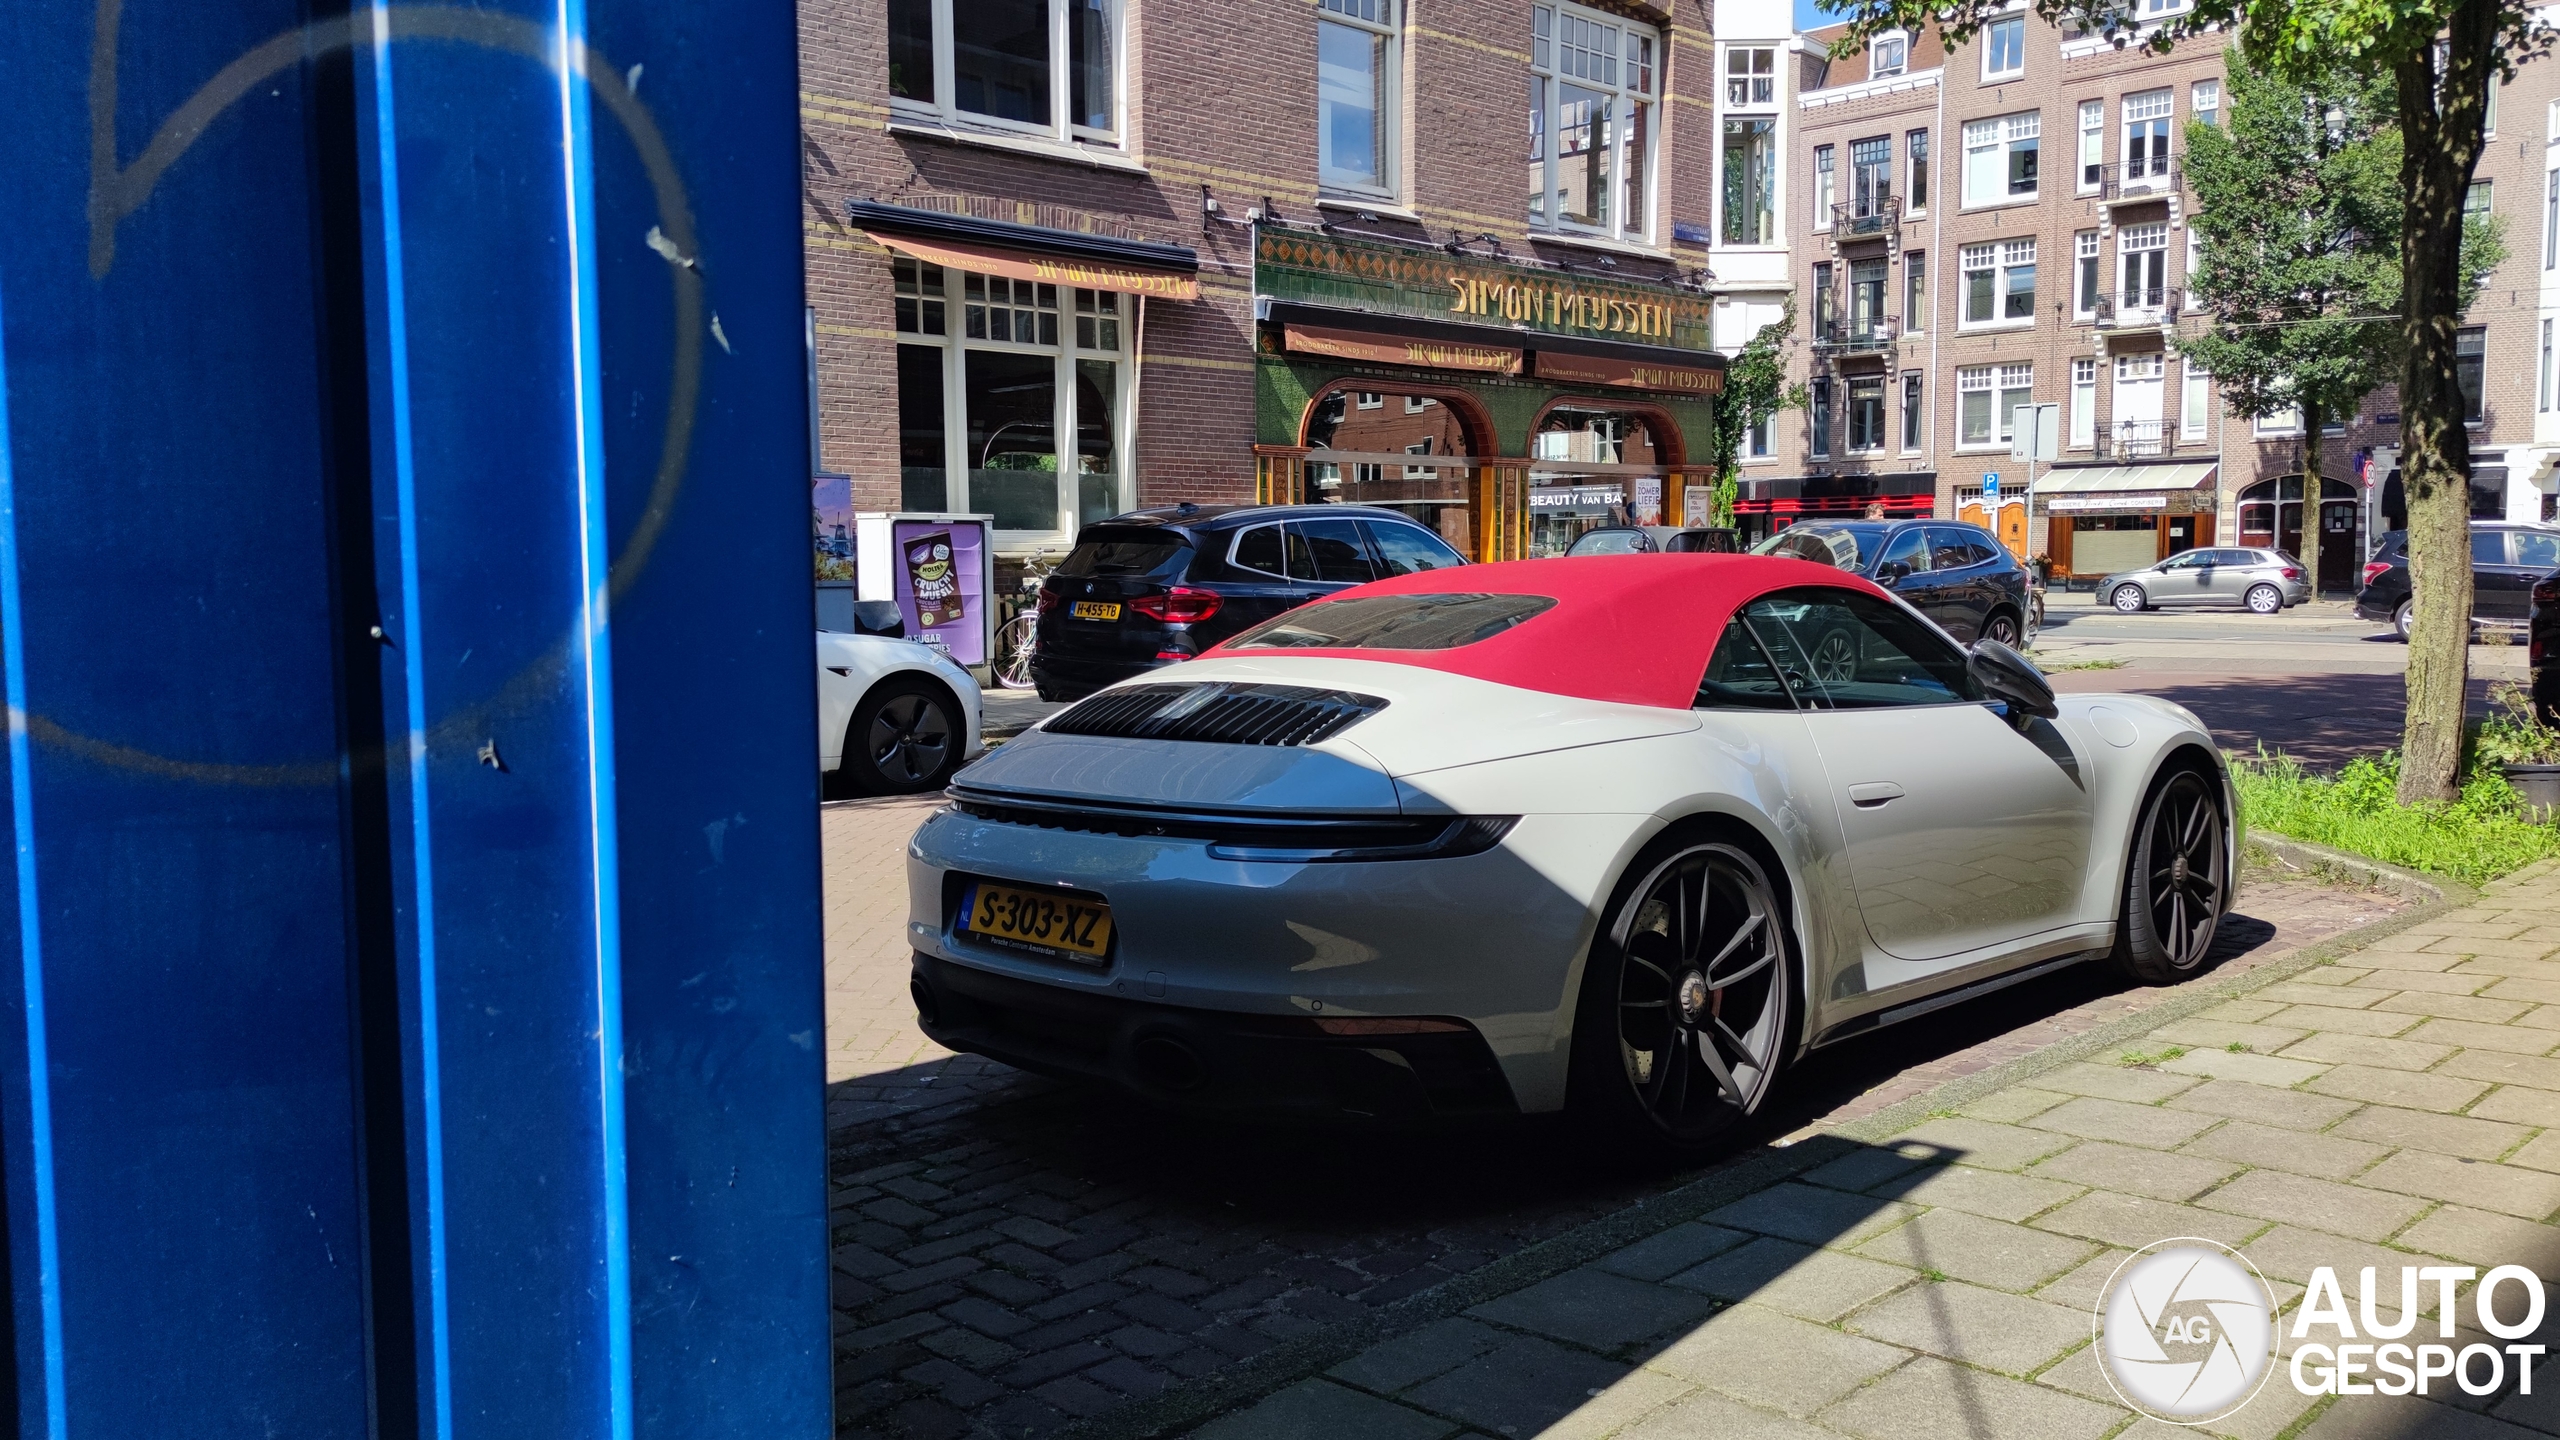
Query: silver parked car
[{"x": 2261, "y": 581}]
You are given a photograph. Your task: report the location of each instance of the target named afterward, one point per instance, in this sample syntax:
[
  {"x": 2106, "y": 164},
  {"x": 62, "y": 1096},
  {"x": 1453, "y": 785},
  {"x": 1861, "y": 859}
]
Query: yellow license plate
[
  {"x": 1097, "y": 610},
  {"x": 1068, "y": 924}
]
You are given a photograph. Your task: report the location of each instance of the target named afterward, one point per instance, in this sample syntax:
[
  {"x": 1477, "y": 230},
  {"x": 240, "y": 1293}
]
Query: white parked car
[
  {"x": 1624, "y": 835},
  {"x": 894, "y": 717}
]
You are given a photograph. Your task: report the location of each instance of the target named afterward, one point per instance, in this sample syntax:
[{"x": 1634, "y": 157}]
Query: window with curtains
[
  {"x": 1915, "y": 292},
  {"x": 2084, "y": 403},
  {"x": 1357, "y": 66},
  {"x": 1826, "y": 185},
  {"x": 1039, "y": 67},
  {"x": 2093, "y": 143},
  {"x": 1892, "y": 56},
  {"x": 1592, "y": 90},
  {"x": 1012, "y": 398},
  {"x": 2085, "y": 280},
  {"x": 2195, "y": 400},
  {"x": 1987, "y": 401}
]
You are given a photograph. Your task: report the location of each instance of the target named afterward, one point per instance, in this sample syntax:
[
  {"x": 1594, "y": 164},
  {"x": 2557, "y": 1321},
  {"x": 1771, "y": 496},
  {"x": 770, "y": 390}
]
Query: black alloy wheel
[
  {"x": 1835, "y": 658},
  {"x": 904, "y": 738},
  {"x": 2177, "y": 883},
  {"x": 2002, "y": 627},
  {"x": 1685, "y": 1017}
]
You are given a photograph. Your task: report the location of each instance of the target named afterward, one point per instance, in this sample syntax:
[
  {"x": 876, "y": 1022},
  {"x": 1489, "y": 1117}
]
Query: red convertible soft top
[{"x": 1634, "y": 629}]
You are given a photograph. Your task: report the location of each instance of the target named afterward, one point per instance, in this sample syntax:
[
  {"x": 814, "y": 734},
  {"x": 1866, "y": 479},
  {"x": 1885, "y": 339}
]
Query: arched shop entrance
[
  {"x": 1598, "y": 462},
  {"x": 1377, "y": 418},
  {"x": 2271, "y": 516}
]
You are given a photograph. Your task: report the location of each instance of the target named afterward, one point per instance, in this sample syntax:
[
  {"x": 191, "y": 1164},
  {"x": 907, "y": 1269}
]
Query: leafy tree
[
  {"x": 2440, "y": 55},
  {"x": 2298, "y": 205},
  {"x": 1755, "y": 389}
]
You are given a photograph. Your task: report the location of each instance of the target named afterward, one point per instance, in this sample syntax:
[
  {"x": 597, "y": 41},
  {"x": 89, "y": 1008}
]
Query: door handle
[{"x": 1874, "y": 794}]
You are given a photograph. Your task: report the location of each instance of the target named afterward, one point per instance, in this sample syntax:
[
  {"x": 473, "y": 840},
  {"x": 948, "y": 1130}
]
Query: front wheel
[
  {"x": 2176, "y": 883},
  {"x": 2264, "y": 599},
  {"x": 1014, "y": 644},
  {"x": 1685, "y": 1014},
  {"x": 904, "y": 738},
  {"x": 2128, "y": 598},
  {"x": 2002, "y": 627}
]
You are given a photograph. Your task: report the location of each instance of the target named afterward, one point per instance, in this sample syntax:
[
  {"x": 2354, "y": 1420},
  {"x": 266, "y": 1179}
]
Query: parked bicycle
[{"x": 1019, "y": 636}]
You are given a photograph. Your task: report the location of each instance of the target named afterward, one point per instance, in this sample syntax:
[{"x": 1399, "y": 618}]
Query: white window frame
[
  {"x": 1750, "y": 77},
  {"x": 1826, "y": 184},
  {"x": 2551, "y": 218},
  {"x": 1998, "y": 137},
  {"x": 2008, "y": 385},
  {"x": 1376, "y": 19},
  {"x": 1372, "y": 399},
  {"x": 1631, "y": 72},
  {"x": 2195, "y": 267},
  {"x": 1420, "y": 472},
  {"x": 2195, "y": 399},
  {"x": 2085, "y": 248},
  {"x": 2147, "y": 108},
  {"x": 1897, "y": 45},
  {"x": 945, "y": 109},
  {"x": 2015, "y": 23},
  {"x": 1907, "y": 403},
  {"x": 2542, "y": 373},
  {"x": 2092, "y": 159},
  {"x": 2084, "y": 403},
  {"x": 2204, "y": 102},
  {"x": 955, "y": 344},
  {"x": 2149, "y": 238},
  {"x": 2287, "y": 421},
  {"x": 2000, "y": 258},
  {"x": 1416, "y": 404}
]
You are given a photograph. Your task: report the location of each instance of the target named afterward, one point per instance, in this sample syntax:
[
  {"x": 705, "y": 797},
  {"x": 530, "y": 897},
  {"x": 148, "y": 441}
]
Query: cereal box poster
[{"x": 941, "y": 584}]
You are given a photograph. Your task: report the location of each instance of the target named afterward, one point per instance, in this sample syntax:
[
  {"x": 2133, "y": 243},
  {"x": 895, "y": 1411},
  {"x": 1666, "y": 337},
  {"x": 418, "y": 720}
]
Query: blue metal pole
[{"x": 415, "y": 1023}]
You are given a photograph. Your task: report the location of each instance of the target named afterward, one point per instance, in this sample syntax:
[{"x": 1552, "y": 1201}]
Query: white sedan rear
[{"x": 894, "y": 717}]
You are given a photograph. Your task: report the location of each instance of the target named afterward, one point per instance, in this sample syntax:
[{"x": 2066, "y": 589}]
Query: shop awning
[
  {"x": 2094, "y": 483},
  {"x": 1401, "y": 349},
  {"x": 1031, "y": 252},
  {"x": 1573, "y": 360}
]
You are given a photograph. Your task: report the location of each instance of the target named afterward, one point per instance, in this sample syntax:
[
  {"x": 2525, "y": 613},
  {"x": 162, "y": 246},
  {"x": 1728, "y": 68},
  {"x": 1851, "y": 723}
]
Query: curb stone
[{"x": 1195, "y": 1403}]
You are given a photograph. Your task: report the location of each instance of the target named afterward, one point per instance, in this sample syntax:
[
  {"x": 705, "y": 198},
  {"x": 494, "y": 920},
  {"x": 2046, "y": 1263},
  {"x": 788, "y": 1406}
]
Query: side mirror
[
  {"x": 2012, "y": 679},
  {"x": 1892, "y": 572},
  {"x": 879, "y": 617}
]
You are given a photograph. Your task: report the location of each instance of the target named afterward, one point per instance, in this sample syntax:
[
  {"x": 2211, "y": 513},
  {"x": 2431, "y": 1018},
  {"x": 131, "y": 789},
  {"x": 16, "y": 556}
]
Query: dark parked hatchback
[
  {"x": 2506, "y": 560},
  {"x": 2545, "y": 654},
  {"x": 1958, "y": 575},
  {"x": 1156, "y": 587}
]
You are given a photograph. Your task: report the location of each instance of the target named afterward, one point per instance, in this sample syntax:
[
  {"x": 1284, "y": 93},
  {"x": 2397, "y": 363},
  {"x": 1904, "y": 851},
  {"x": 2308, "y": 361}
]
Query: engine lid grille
[{"x": 1218, "y": 713}]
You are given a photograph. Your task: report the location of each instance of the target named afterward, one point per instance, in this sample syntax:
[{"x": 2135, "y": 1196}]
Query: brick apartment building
[
  {"x": 2005, "y": 223},
  {"x": 1099, "y": 254}
]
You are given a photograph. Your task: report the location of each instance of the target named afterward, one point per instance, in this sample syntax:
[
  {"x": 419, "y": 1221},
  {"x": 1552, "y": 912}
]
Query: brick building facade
[{"x": 1162, "y": 155}]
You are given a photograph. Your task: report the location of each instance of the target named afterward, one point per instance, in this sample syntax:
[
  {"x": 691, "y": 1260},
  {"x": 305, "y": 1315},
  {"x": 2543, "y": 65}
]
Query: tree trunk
[
  {"x": 2440, "y": 121},
  {"x": 2312, "y": 420}
]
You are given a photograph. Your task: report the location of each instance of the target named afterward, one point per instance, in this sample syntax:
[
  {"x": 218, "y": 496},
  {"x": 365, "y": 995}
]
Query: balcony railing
[
  {"x": 2139, "y": 308},
  {"x": 2142, "y": 440},
  {"x": 2140, "y": 179},
  {"x": 1838, "y": 338},
  {"x": 1862, "y": 220}
]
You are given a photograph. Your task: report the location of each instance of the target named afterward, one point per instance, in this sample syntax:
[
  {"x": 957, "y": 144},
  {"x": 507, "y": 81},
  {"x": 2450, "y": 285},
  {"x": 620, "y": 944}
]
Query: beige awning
[
  {"x": 2123, "y": 479},
  {"x": 1049, "y": 269}
]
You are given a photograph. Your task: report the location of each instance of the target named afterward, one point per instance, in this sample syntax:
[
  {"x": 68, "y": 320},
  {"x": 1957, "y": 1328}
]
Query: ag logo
[{"x": 2186, "y": 1329}]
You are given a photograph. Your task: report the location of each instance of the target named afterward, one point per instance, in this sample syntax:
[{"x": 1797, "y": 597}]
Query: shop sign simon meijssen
[{"x": 1434, "y": 285}]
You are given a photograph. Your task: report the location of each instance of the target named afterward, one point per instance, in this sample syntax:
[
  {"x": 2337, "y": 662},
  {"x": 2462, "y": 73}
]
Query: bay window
[
  {"x": 1750, "y": 180},
  {"x": 1356, "y": 70},
  {"x": 1040, "y": 68},
  {"x": 1012, "y": 398},
  {"x": 2000, "y": 158},
  {"x": 1593, "y": 89}
]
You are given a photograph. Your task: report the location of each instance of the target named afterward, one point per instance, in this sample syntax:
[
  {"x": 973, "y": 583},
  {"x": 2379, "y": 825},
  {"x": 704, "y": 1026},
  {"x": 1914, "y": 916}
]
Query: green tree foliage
[
  {"x": 1755, "y": 389},
  {"x": 2440, "y": 56}
]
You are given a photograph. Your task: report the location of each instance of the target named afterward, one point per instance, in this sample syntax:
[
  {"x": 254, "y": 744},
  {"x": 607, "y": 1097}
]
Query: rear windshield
[
  {"x": 1126, "y": 552},
  {"x": 1394, "y": 622},
  {"x": 1839, "y": 546}
]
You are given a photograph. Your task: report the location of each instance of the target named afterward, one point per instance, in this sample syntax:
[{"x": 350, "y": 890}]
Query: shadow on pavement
[{"x": 2321, "y": 720}]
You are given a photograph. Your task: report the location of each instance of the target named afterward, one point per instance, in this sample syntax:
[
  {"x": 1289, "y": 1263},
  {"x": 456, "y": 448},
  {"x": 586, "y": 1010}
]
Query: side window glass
[
  {"x": 1740, "y": 676},
  {"x": 1258, "y": 549},
  {"x": 1335, "y": 548},
  {"x": 1302, "y": 561},
  {"x": 1861, "y": 652},
  {"x": 2542, "y": 552},
  {"x": 2488, "y": 547},
  {"x": 1907, "y": 555},
  {"x": 1409, "y": 549},
  {"x": 1950, "y": 550}
]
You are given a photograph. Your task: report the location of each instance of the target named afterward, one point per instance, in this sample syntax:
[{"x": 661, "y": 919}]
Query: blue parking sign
[{"x": 1991, "y": 486}]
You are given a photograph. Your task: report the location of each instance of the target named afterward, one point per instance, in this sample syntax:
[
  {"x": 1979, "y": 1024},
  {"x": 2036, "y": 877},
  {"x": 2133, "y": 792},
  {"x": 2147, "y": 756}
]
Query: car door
[
  {"x": 1964, "y": 833},
  {"x": 2536, "y": 554},
  {"x": 2500, "y": 590},
  {"x": 1327, "y": 555},
  {"x": 1959, "y": 579},
  {"x": 1903, "y": 568}
]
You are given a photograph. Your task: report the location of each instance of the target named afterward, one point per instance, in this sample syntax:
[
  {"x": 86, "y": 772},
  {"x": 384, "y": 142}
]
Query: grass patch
[
  {"x": 2238, "y": 1047},
  {"x": 2050, "y": 668},
  {"x": 2480, "y": 836},
  {"x": 2146, "y": 1060}
]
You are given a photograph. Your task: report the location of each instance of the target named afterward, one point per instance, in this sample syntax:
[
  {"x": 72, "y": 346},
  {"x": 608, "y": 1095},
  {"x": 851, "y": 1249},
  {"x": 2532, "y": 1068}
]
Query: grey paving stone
[
  {"x": 1869, "y": 1165},
  {"x": 2443, "y": 1093},
  {"x": 2480, "y": 1238},
  {"x": 2336, "y": 1018},
  {"x": 1408, "y": 1360},
  {"x": 2115, "y": 1082},
  {"x": 1989, "y": 1328},
  {"x": 2447, "y": 984},
  {"x": 1995, "y": 1193},
  {"x": 1709, "y": 1416},
  {"x": 1519, "y": 1389},
  {"x": 1811, "y": 1214},
  {"x": 2200, "y": 1032},
  {"x": 2351, "y": 1210},
  {"x": 1682, "y": 1246},
  {"x": 2080, "y": 1288},
  {"x": 2246, "y": 1065},
  {"x": 2015, "y": 1103},
  {"x": 1774, "y": 1360},
  {"x": 1818, "y": 1285},
  {"x": 2143, "y": 1172},
  {"x": 2542, "y": 1153},
  {"x": 2521, "y": 1104},
  {"x": 1319, "y": 1407},
  {"x": 2466, "y": 1135},
  {"x": 2094, "y": 1119},
  {"x": 1594, "y": 1308},
  {"x": 2504, "y": 1069},
  {"x": 2455, "y": 1007},
  {"x": 1986, "y": 1252},
  {"x": 2479, "y": 1184},
  {"x": 1930, "y": 1397},
  {"x": 2240, "y": 1100},
  {"x": 1985, "y": 1144},
  {"x": 2289, "y": 1253},
  {"x": 2080, "y": 1373},
  {"x": 2134, "y": 1221},
  {"x": 2407, "y": 1417},
  {"x": 2328, "y": 1157},
  {"x": 2479, "y": 1035},
  {"x": 1630, "y": 1398}
]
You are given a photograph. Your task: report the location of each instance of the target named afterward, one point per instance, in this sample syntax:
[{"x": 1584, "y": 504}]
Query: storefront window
[
  {"x": 981, "y": 412},
  {"x": 1565, "y": 500},
  {"x": 1379, "y": 423}
]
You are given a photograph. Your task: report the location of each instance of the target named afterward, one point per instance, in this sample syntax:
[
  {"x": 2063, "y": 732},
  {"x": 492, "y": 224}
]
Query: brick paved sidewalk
[{"x": 2388, "y": 1108}]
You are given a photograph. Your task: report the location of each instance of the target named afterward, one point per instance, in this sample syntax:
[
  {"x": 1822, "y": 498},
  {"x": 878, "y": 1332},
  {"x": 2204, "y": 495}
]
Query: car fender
[
  {"x": 2131, "y": 740},
  {"x": 850, "y": 666}
]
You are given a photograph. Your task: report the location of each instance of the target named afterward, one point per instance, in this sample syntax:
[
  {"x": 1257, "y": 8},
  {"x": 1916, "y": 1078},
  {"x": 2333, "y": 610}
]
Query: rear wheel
[
  {"x": 2176, "y": 883},
  {"x": 905, "y": 737},
  {"x": 2405, "y": 619},
  {"x": 2003, "y": 627},
  {"x": 1686, "y": 1012},
  {"x": 2264, "y": 599},
  {"x": 2129, "y": 599}
]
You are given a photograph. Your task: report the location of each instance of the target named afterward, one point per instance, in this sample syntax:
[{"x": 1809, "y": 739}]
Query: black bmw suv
[
  {"x": 1956, "y": 574},
  {"x": 1156, "y": 587}
]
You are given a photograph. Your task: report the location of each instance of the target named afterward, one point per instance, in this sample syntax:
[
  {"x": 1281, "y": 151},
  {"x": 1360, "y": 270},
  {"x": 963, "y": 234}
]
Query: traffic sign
[{"x": 1991, "y": 487}]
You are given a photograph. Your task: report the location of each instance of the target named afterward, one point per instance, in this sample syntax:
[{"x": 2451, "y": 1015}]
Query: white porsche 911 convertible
[{"x": 1623, "y": 835}]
